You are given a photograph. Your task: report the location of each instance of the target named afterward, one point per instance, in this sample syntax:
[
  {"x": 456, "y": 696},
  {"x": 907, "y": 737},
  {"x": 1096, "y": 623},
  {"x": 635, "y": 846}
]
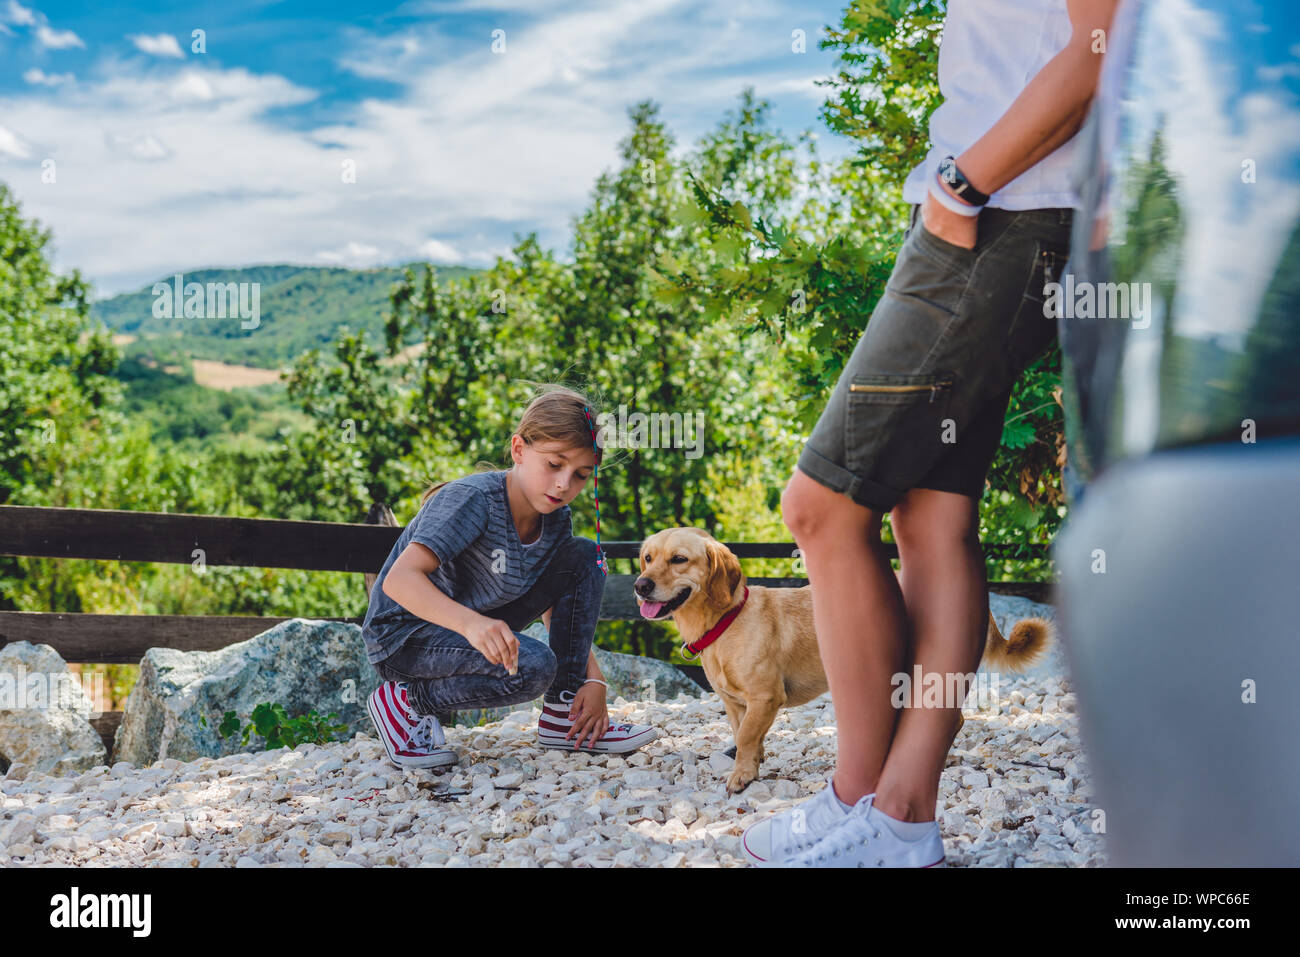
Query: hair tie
[{"x": 595, "y": 475}]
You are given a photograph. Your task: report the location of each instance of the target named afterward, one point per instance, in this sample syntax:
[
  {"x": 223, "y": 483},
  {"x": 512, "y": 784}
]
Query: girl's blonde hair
[{"x": 555, "y": 414}]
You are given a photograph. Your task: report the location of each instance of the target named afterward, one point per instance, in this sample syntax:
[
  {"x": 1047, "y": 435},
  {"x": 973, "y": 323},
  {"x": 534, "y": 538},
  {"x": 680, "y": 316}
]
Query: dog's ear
[{"x": 724, "y": 573}]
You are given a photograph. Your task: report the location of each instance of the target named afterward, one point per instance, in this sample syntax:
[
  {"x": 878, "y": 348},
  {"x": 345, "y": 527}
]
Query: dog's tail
[{"x": 1029, "y": 639}]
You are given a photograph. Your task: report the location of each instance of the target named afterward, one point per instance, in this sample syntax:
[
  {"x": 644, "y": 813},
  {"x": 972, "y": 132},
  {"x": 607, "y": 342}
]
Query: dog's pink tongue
[{"x": 650, "y": 608}]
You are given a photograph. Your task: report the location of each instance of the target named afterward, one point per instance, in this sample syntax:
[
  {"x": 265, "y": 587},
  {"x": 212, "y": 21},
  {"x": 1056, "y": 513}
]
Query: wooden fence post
[{"x": 379, "y": 514}]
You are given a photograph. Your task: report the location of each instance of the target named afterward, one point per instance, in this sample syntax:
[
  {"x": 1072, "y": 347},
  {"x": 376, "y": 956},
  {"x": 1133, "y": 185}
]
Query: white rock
[
  {"x": 758, "y": 791},
  {"x": 320, "y": 854},
  {"x": 1060, "y": 788},
  {"x": 673, "y": 830},
  {"x": 785, "y": 789},
  {"x": 684, "y": 811}
]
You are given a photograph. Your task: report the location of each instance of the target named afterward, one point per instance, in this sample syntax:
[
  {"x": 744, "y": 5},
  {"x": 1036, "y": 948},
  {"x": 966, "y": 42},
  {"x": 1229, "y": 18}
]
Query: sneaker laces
[
  {"x": 854, "y": 830},
  {"x": 820, "y": 817},
  {"x": 427, "y": 734}
]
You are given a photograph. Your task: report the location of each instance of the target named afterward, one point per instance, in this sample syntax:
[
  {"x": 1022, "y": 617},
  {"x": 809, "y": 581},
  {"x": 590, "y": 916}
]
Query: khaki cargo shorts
[{"x": 921, "y": 402}]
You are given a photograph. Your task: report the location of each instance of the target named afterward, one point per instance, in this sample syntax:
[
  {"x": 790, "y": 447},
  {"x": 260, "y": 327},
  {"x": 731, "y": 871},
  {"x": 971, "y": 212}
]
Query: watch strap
[
  {"x": 960, "y": 185},
  {"x": 957, "y": 206}
]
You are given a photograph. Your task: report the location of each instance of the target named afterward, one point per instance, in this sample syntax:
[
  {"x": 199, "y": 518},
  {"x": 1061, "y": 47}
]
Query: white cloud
[
  {"x": 19, "y": 15},
  {"x": 141, "y": 146},
  {"x": 382, "y": 58},
  {"x": 193, "y": 86},
  {"x": 11, "y": 145},
  {"x": 41, "y": 78},
  {"x": 53, "y": 39},
  {"x": 804, "y": 86},
  {"x": 1278, "y": 72},
  {"x": 46, "y": 36},
  {"x": 435, "y": 250},
  {"x": 163, "y": 44},
  {"x": 354, "y": 254}
]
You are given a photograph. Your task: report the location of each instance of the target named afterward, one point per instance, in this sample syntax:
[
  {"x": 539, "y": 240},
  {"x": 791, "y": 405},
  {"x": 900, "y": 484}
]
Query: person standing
[{"x": 916, "y": 417}]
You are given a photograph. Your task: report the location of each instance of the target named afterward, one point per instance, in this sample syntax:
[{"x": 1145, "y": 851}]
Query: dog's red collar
[{"x": 713, "y": 633}]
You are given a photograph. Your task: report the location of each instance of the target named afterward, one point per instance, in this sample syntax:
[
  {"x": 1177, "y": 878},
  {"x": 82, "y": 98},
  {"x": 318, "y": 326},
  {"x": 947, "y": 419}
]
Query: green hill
[{"x": 299, "y": 308}]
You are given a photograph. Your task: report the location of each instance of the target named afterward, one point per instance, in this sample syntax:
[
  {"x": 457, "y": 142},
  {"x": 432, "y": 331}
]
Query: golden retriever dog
[{"x": 766, "y": 657}]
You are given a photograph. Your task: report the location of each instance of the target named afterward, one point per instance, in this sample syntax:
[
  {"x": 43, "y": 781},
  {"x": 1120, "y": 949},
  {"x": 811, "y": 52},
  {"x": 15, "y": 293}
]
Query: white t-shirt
[{"x": 989, "y": 52}]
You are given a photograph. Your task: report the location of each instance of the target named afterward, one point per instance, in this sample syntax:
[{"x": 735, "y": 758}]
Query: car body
[{"x": 1180, "y": 552}]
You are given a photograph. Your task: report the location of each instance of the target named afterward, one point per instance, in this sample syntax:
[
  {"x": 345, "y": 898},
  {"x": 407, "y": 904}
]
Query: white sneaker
[
  {"x": 412, "y": 740},
  {"x": 775, "y": 839},
  {"x": 862, "y": 839}
]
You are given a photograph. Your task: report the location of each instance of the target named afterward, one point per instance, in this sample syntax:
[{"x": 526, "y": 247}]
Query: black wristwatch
[{"x": 950, "y": 174}]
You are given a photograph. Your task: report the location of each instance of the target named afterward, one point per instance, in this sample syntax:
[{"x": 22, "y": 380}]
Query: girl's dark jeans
[{"x": 444, "y": 672}]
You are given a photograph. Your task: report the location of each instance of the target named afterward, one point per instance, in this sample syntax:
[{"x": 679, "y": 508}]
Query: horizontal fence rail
[
  {"x": 106, "y": 535},
  {"x": 39, "y": 532},
  {"x": 165, "y": 537},
  {"x": 123, "y": 639}
]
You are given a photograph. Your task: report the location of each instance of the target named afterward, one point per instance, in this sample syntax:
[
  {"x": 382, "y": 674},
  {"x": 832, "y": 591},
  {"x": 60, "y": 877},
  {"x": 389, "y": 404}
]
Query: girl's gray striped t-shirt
[{"x": 482, "y": 562}]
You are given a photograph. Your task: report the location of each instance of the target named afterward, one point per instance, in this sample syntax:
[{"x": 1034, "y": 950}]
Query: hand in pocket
[{"x": 944, "y": 224}]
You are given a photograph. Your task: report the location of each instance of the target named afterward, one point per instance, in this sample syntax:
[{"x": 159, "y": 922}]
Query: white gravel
[{"x": 1014, "y": 793}]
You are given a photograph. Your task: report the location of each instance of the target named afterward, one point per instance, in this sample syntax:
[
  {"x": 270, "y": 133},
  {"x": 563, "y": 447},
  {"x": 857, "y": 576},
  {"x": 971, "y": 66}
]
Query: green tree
[{"x": 56, "y": 366}]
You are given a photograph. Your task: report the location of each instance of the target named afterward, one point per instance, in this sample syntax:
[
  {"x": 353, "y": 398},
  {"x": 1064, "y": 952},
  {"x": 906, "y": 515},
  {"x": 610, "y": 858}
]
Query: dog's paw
[{"x": 738, "y": 780}]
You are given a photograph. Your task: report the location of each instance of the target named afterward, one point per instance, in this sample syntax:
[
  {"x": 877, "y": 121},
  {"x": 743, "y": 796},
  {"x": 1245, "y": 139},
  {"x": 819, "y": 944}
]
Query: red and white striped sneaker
[
  {"x": 555, "y": 723},
  {"x": 412, "y": 740}
]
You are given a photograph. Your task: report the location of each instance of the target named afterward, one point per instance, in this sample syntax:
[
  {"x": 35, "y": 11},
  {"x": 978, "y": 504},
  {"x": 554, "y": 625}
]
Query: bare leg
[
  {"x": 946, "y": 593},
  {"x": 860, "y": 620}
]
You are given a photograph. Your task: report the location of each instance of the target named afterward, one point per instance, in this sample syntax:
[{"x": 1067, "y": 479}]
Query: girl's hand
[
  {"x": 495, "y": 639},
  {"x": 589, "y": 713}
]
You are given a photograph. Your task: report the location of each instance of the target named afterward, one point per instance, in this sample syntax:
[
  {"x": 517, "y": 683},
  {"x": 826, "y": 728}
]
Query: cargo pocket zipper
[{"x": 933, "y": 388}]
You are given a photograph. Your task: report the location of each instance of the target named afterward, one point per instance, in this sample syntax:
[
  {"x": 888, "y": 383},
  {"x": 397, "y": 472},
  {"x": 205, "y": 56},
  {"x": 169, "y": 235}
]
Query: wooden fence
[{"x": 267, "y": 543}]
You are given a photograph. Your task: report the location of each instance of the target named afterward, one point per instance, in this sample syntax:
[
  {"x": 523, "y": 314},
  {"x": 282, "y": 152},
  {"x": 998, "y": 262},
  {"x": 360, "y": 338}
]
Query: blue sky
[{"x": 166, "y": 160}]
